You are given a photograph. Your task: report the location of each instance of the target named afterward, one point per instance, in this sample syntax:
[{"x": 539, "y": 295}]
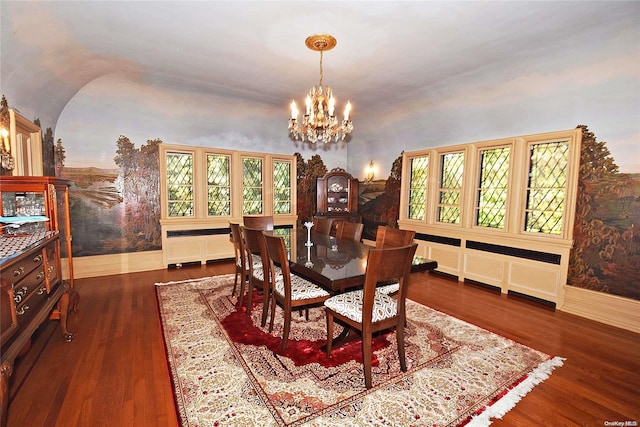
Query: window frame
[
  {"x": 440, "y": 189},
  {"x": 516, "y": 192},
  {"x": 165, "y": 211},
  {"x": 261, "y": 187},
  {"x": 201, "y": 215},
  {"x": 477, "y": 170},
  {"x": 409, "y": 188},
  {"x": 231, "y": 173},
  {"x": 291, "y": 188}
]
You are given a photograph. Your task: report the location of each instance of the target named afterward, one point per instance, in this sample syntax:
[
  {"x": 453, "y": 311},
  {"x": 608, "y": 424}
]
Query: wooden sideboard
[{"x": 31, "y": 289}]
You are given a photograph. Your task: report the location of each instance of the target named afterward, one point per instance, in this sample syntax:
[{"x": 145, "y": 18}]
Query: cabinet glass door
[{"x": 24, "y": 204}]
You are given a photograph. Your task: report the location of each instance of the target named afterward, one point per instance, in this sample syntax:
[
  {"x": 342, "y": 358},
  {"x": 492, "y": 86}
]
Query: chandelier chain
[{"x": 320, "y": 69}]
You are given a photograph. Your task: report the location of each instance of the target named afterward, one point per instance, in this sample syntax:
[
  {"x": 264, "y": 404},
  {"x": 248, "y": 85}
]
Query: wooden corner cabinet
[
  {"x": 337, "y": 196},
  {"x": 32, "y": 278}
]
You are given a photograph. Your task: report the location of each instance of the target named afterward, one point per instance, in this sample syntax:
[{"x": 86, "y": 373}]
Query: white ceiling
[{"x": 391, "y": 58}]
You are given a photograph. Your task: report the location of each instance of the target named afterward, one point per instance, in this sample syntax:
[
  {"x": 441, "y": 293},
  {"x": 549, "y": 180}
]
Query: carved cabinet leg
[
  {"x": 63, "y": 306},
  {"x": 6, "y": 369}
]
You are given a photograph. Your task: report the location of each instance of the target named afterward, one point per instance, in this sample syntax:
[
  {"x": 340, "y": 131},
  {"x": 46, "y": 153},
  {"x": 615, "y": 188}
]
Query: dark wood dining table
[{"x": 336, "y": 265}]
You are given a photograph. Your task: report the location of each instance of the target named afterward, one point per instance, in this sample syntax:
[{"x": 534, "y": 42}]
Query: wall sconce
[{"x": 369, "y": 173}]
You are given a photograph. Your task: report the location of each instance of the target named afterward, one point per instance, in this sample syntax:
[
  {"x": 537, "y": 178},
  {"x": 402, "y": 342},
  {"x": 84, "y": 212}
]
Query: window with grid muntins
[
  {"x": 218, "y": 185},
  {"x": 493, "y": 187},
  {"x": 251, "y": 186},
  {"x": 418, "y": 179},
  {"x": 546, "y": 187},
  {"x": 281, "y": 187},
  {"x": 449, "y": 200},
  {"x": 180, "y": 184}
]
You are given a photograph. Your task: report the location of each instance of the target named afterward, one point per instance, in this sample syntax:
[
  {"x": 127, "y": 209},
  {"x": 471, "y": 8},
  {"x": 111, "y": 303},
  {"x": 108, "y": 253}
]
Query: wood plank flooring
[{"x": 114, "y": 373}]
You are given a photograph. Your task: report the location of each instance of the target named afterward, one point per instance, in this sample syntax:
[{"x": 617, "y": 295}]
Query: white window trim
[
  {"x": 519, "y": 167},
  {"x": 201, "y": 217}
]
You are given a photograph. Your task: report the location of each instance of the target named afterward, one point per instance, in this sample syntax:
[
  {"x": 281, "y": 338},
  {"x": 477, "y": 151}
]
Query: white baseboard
[
  {"x": 105, "y": 265},
  {"x": 610, "y": 309}
]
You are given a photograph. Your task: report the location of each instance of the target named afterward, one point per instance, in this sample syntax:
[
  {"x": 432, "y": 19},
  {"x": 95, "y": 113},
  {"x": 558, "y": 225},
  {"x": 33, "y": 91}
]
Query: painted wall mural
[
  {"x": 118, "y": 210},
  {"x": 606, "y": 253}
]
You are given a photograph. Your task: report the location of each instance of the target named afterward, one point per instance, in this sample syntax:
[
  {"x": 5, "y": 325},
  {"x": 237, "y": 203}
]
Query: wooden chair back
[
  {"x": 242, "y": 266},
  {"x": 322, "y": 225},
  {"x": 261, "y": 222},
  {"x": 389, "y": 237},
  {"x": 349, "y": 230},
  {"x": 259, "y": 268}
]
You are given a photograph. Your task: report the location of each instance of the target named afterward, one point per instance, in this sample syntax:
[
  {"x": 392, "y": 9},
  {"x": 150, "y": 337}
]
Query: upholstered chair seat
[
  {"x": 349, "y": 304},
  {"x": 301, "y": 289}
]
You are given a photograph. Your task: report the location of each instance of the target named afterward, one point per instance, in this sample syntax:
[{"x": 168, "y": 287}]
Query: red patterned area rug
[{"x": 227, "y": 371}]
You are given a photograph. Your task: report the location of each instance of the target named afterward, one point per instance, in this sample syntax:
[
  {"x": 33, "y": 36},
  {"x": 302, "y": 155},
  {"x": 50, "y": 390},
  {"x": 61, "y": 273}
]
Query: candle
[
  {"x": 5, "y": 139},
  {"x": 347, "y": 109},
  {"x": 294, "y": 110}
]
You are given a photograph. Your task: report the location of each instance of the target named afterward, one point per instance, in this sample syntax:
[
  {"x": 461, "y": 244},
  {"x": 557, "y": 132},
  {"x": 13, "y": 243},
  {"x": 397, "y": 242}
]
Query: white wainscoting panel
[
  {"x": 485, "y": 268},
  {"x": 540, "y": 280}
]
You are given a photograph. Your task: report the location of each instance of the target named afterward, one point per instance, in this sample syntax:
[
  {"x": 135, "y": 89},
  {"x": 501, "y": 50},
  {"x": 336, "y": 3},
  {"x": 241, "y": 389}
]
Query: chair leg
[
  {"x": 273, "y": 313},
  {"x": 366, "y": 358},
  {"x": 235, "y": 283},
  {"x": 400, "y": 340},
  {"x": 287, "y": 328},
  {"x": 329, "y": 317},
  {"x": 249, "y": 297},
  {"x": 242, "y": 291},
  {"x": 266, "y": 297}
]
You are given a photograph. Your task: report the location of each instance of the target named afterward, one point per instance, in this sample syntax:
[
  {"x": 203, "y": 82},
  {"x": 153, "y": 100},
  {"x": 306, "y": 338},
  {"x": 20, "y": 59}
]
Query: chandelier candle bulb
[
  {"x": 294, "y": 110},
  {"x": 347, "y": 110}
]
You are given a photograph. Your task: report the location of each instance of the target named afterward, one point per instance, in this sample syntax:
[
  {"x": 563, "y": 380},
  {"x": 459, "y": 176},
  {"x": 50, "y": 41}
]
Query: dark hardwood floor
[{"x": 114, "y": 373}]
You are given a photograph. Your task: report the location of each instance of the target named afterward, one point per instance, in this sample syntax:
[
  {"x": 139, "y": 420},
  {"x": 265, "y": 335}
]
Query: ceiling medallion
[{"x": 319, "y": 122}]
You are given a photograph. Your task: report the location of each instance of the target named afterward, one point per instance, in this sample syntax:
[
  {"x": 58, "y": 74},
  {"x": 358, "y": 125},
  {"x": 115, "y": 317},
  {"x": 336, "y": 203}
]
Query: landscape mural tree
[
  {"x": 139, "y": 182},
  {"x": 306, "y": 186},
  {"x": 606, "y": 252},
  {"x": 48, "y": 157},
  {"x": 59, "y": 157}
]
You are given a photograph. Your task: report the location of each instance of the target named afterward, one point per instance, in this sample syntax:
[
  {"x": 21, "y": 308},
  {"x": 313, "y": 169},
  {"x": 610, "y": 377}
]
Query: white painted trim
[
  {"x": 106, "y": 265},
  {"x": 605, "y": 308}
]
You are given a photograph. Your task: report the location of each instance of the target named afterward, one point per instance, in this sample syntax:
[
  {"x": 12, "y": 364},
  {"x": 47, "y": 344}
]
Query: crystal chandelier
[{"x": 319, "y": 122}]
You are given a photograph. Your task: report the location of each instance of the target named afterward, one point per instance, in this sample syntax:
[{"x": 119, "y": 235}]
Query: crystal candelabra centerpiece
[{"x": 308, "y": 224}]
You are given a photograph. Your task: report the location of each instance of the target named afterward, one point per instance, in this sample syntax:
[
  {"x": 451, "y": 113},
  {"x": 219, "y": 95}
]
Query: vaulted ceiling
[{"x": 391, "y": 60}]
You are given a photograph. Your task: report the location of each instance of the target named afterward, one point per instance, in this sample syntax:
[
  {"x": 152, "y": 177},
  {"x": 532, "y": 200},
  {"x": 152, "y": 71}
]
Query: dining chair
[
  {"x": 258, "y": 269},
  {"x": 349, "y": 230},
  {"x": 387, "y": 236},
  {"x": 369, "y": 310},
  {"x": 262, "y": 222},
  {"x": 242, "y": 262},
  {"x": 322, "y": 225},
  {"x": 289, "y": 291}
]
